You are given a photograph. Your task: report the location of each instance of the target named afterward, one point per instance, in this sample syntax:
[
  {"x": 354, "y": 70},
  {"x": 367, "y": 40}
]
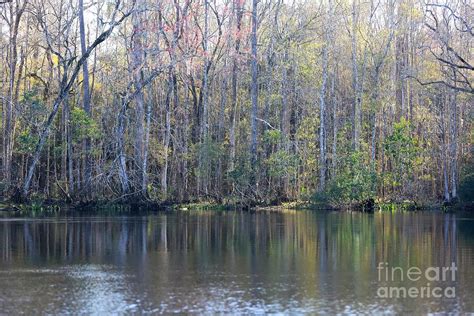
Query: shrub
[{"x": 356, "y": 181}]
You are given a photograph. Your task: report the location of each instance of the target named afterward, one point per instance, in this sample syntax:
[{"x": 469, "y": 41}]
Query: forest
[{"x": 237, "y": 101}]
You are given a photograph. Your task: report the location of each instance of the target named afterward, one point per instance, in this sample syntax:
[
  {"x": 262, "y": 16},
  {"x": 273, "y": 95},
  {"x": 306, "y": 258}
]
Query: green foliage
[
  {"x": 240, "y": 176},
  {"x": 33, "y": 105},
  {"x": 307, "y": 153},
  {"x": 35, "y": 109},
  {"x": 26, "y": 142},
  {"x": 308, "y": 128},
  {"x": 402, "y": 148},
  {"x": 272, "y": 136},
  {"x": 466, "y": 185},
  {"x": 32, "y": 99},
  {"x": 356, "y": 181},
  {"x": 210, "y": 151},
  {"x": 83, "y": 126},
  {"x": 281, "y": 163}
]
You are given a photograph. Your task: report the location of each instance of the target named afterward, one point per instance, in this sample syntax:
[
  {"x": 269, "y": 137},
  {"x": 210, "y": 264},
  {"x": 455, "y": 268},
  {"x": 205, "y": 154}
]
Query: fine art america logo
[{"x": 432, "y": 278}]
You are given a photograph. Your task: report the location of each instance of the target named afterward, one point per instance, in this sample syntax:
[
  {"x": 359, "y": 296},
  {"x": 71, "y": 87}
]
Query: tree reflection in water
[{"x": 227, "y": 261}]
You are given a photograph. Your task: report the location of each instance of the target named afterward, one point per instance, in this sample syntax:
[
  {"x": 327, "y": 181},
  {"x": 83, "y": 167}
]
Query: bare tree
[
  {"x": 439, "y": 19},
  {"x": 16, "y": 11},
  {"x": 67, "y": 81}
]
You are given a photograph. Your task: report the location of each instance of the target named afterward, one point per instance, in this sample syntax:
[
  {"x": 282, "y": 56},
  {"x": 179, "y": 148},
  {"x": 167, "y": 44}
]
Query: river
[{"x": 234, "y": 261}]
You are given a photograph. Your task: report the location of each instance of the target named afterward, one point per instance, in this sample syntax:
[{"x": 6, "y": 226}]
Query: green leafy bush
[
  {"x": 356, "y": 181},
  {"x": 281, "y": 163},
  {"x": 402, "y": 149},
  {"x": 83, "y": 126},
  {"x": 26, "y": 142},
  {"x": 466, "y": 185}
]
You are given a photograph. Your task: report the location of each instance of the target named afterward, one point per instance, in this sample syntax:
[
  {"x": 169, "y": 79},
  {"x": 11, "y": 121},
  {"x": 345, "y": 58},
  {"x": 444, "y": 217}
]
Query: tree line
[{"x": 237, "y": 100}]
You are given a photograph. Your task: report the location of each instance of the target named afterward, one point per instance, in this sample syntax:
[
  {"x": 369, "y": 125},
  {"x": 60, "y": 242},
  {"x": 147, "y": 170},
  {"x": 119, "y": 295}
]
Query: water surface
[{"x": 210, "y": 261}]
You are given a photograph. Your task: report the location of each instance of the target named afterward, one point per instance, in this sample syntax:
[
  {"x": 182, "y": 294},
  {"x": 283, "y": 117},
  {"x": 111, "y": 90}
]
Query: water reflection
[{"x": 227, "y": 261}]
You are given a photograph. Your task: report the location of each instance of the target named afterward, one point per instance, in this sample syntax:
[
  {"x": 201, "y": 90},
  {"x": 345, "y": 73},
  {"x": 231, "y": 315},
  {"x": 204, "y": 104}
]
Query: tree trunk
[
  {"x": 454, "y": 144},
  {"x": 322, "y": 103},
  {"x": 16, "y": 13},
  {"x": 137, "y": 62},
  {"x": 254, "y": 94},
  {"x": 204, "y": 124},
  {"x": 69, "y": 152},
  {"x": 145, "y": 150},
  {"x": 167, "y": 138},
  {"x": 122, "y": 170},
  {"x": 284, "y": 119},
  {"x": 444, "y": 150},
  {"x": 238, "y": 12},
  {"x": 355, "y": 78},
  {"x": 335, "y": 126},
  {"x": 86, "y": 103},
  {"x": 220, "y": 124}
]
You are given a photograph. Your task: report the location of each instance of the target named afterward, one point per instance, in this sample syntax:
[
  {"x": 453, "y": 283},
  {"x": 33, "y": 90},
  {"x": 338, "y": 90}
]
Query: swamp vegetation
[{"x": 237, "y": 102}]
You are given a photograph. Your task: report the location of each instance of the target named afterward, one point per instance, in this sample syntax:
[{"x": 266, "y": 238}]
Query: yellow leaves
[
  {"x": 418, "y": 161},
  {"x": 34, "y": 81},
  {"x": 308, "y": 128},
  {"x": 97, "y": 86},
  {"x": 55, "y": 60},
  {"x": 405, "y": 8},
  {"x": 417, "y": 13},
  {"x": 431, "y": 71},
  {"x": 308, "y": 58}
]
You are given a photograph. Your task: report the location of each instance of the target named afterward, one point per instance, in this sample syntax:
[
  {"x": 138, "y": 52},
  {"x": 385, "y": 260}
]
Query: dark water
[{"x": 206, "y": 261}]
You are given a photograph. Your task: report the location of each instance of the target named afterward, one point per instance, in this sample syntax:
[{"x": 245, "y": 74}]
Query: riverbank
[{"x": 52, "y": 205}]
